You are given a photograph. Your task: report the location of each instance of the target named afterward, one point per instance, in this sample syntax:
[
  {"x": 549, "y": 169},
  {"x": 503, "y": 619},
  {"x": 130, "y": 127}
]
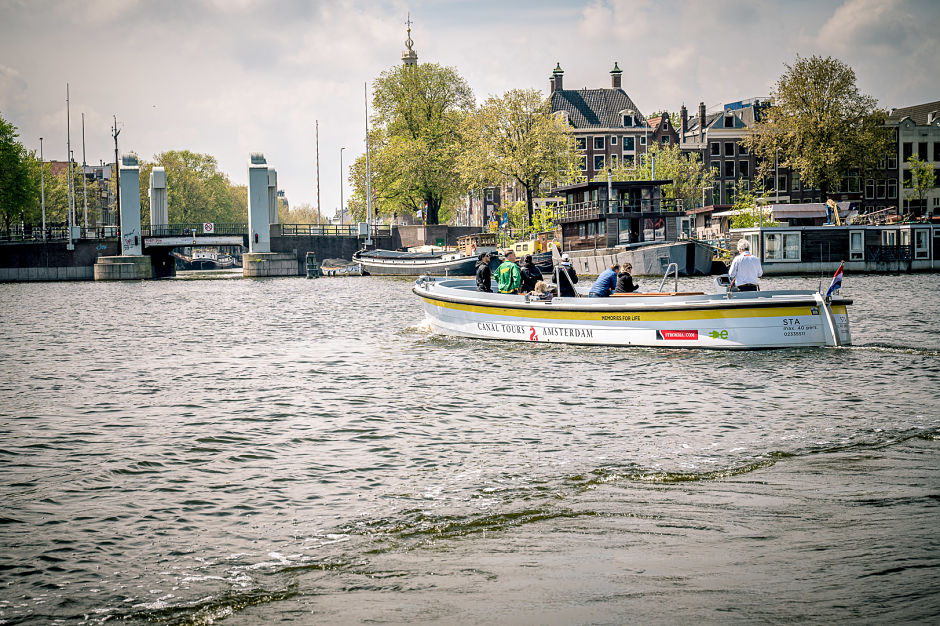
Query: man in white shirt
[{"x": 745, "y": 268}]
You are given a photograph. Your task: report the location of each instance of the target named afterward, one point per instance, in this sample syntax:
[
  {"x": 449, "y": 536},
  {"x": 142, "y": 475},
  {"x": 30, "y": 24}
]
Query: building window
[
  {"x": 628, "y": 121},
  {"x": 906, "y": 177},
  {"x": 744, "y": 168},
  {"x": 869, "y": 189},
  {"x": 613, "y": 161},
  {"x": 598, "y": 162},
  {"x": 922, "y": 151},
  {"x": 643, "y": 140},
  {"x": 782, "y": 247},
  {"x": 893, "y": 161},
  {"x": 715, "y": 148},
  {"x": 628, "y": 160},
  {"x": 729, "y": 192},
  {"x": 729, "y": 169},
  {"x": 936, "y": 151},
  {"x": 882, "y": 189},
  {"x": 742, "y": 149},
  {"x": 583, "y": 159},
  {"x": 580, "y": 143},
  {"x": 782, "y": 182},
  {"x": 489, "y": 194},
  {"x": 598, "y": 143},
  {"x": 629, "y": 144},
  {"x": 729, "y": 148},
  {"x": 892, "y": 188},
  {"x": 794, "y": 181},
  {"x": 908, "y": 151},
  {"x": 665, "y": 141},
  {"x": 613, "y": 140},
  {"x": 729, "y": 120}
]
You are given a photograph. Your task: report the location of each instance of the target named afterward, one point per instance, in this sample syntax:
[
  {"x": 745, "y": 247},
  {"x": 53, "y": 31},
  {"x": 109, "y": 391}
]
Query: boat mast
[
  {"x": 317, "y": 142},
  {"x": 68, "y": 159},
  {"x": 84, "y": 178},
  {"x": 365, "y": 95}
]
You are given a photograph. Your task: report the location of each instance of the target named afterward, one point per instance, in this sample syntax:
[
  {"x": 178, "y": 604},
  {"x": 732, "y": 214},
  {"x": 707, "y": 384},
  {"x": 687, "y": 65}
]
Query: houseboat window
[
  {"x": 624, "y": 230},
  {"x": 715, "y": 150},
  {"x": 889, "y": 237},
  {"x": 628, "y": 144},
  {"x": 580, "y": 143},
  {"x": 905, "y": 237},
  {"x": 754, "y": 240},
  {"x": 729, "y": 148},
  {"x": 782, "y": 246},
  {"x": 920, "y": 243},
  {"x": 857, "y": 245},
  {"x": 598, "y": 143},
  {"x": 590, "y": 229},
  {"x": 602, "y": 227},
  {"x": 582, "y": 230}
]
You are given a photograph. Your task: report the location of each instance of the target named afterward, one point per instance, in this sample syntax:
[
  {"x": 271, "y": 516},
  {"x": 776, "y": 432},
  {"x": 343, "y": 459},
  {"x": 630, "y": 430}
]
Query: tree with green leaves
[
  {"x": 748, "y": 208},
  {"x": 517, "y": 137},
  {"x": 19, "y": 180},
  {"x": 922, "y": 180},
  {"x": 196, "y": 190},
  {"x": 415, "y": 140},
  {"x": 821, "y": 123},
  {"x": 688, "y": 174}
]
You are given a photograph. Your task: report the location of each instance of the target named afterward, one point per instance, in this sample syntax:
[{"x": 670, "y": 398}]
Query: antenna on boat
[{"x": 365, "y": 97}]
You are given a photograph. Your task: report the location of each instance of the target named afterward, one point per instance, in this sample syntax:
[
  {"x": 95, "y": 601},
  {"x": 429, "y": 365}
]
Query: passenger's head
[
  {"x": 615, "y": 267},
  {"x": 483, "y": 255},
  {"x": 743, "y": 245},
  {"x": 541, "y": 287},
  {"x": 565, "y": 259},
  {"x": 627, "y": 268},
  {"x": 510, "y": 255},
  {"x": 528, "y": 259}
]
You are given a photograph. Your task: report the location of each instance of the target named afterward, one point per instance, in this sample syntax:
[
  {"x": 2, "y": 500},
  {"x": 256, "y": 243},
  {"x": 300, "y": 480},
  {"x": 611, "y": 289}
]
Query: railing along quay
[
  {"x": 57, "y": 232},
  {"x": 593, "y": 209}
]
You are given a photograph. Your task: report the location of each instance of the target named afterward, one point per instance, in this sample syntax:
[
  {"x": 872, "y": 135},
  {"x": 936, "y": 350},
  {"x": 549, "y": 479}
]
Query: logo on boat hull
[{"x": 677, "y": 335}]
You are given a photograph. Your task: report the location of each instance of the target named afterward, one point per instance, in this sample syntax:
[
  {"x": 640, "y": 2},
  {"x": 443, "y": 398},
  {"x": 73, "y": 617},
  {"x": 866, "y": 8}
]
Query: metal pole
[
  {"x": 342, "y": 207},
  {"x": 84, "y": 178},
  {"x": 317, "y": 141},
  {"x": 68, "y": 158},
  {"x": 365, "y": 96},
  {"x": 42, "y": 187},
  {"x": 117, "y": 178}
]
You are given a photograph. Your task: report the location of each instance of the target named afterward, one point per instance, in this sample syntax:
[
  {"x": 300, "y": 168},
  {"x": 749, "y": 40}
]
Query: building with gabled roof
[
  {"x": 608, "y": 126},
  {"x": 918, "y": 135}
]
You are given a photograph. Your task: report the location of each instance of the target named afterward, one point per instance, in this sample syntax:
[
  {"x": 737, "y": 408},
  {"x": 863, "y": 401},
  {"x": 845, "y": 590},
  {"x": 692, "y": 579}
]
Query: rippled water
[{"x": 265, "y": 450}]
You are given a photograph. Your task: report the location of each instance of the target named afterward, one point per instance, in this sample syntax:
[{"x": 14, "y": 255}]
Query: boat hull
[
  {"x": 747, "y": 321},
  {"x": 463, "y": 266}
]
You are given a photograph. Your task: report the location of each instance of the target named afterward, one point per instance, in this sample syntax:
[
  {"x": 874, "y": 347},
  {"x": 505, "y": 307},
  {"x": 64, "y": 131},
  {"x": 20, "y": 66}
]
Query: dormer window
[
  {"x": 563, "y": 116},
  {"x": 729, "y": 120},
  {"x": 628, "y": 121},
  {"x": 628, "y": 118}
]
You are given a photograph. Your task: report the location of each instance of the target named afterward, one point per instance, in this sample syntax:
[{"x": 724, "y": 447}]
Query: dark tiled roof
[
  {"x": 709, "y": 118},
  {"x": 594, "y": 108},
  {"x": 917, "y": 113}
]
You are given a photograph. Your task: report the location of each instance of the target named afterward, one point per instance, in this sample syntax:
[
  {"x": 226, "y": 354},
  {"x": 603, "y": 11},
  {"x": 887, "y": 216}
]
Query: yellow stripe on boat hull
[{"x": 536, "y": 312}]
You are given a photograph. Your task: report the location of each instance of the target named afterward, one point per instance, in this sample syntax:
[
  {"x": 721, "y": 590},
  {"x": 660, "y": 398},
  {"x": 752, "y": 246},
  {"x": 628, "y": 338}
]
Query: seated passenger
[
  {"x": 625, "y": 282},
  {"x": 605, "y": 283},
  {"x": 508, "y": 277},
  {"x": 484, "y": 275},
  {"x": 543, "y": 291}
]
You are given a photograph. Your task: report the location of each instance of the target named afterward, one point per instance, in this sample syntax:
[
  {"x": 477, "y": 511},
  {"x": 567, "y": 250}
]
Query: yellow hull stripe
[{"x": 635, "y": 316}]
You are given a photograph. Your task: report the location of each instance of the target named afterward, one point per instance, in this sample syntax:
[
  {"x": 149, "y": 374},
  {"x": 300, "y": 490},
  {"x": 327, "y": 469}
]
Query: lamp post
[
  {"x": 42, "y": 188},
  {"x": 342, "y": 208}
]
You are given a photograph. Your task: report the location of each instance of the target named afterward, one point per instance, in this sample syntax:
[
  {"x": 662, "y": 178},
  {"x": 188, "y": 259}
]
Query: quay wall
[{"x": 44, "y": 261}]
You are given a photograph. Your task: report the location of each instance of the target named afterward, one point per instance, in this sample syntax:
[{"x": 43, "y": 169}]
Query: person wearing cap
[
  {"x": 605, "y": 283},
  {"x": 530, "y": 275},
  {"x": 745, "y": 269},
  {"x": 566, "y": 277},
  {"x": 484, "y": 275},
  {"x": 508, "y": 276},
  {"x": 625, "y": 282}
]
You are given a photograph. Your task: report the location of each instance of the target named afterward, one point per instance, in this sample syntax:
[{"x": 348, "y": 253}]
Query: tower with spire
[{"x": 409, "y": 56}]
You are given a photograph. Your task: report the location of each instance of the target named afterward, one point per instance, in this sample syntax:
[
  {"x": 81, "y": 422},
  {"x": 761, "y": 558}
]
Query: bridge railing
[
  {"x": 336, "y": 230},
  {"x": 54, "y": 232},
  {"x": 195, "y": 228}
]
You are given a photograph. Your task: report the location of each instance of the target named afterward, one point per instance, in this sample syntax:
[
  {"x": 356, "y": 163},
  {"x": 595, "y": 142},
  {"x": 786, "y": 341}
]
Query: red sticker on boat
[{"x": 677, "y": 334}]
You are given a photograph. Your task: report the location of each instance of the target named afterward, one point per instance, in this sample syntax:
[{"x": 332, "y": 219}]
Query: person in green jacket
[{"x": 508, "y": 276}]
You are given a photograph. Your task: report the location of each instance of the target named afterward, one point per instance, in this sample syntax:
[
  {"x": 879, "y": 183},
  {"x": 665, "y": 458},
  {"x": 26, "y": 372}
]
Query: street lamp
[{"x": 342, "y": 209}]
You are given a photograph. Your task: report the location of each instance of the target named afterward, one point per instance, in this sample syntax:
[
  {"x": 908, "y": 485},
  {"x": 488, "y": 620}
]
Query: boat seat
[{"x": 657, "y": 293}]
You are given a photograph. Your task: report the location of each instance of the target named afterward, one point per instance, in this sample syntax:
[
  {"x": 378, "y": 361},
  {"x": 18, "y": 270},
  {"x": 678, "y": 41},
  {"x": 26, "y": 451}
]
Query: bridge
[{"x": 195, "y": 234}]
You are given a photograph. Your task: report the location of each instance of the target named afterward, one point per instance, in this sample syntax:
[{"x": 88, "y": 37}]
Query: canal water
[{"x": 257, "y": 451}]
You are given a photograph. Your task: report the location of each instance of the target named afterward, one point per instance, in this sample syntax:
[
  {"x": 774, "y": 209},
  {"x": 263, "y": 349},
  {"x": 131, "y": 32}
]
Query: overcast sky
[{"x": 228, "y": 77}]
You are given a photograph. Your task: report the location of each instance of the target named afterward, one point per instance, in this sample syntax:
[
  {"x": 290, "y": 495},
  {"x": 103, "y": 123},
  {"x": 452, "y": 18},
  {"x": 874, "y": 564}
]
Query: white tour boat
[{"x": 738, "y": 320}]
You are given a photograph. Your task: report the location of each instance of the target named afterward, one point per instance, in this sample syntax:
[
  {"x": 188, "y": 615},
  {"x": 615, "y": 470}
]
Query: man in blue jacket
[{"x": 605, "y": 283}]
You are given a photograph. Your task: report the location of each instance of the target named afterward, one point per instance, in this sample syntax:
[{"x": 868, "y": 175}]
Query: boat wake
[{"x": 890, "y": 348}]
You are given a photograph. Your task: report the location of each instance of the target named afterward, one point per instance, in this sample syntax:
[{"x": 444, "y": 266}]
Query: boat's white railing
[{"x": 674, "y": 268}]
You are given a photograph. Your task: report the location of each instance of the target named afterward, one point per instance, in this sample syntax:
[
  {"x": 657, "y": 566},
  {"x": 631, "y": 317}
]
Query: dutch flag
[{"x": 836, "y": 281}]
